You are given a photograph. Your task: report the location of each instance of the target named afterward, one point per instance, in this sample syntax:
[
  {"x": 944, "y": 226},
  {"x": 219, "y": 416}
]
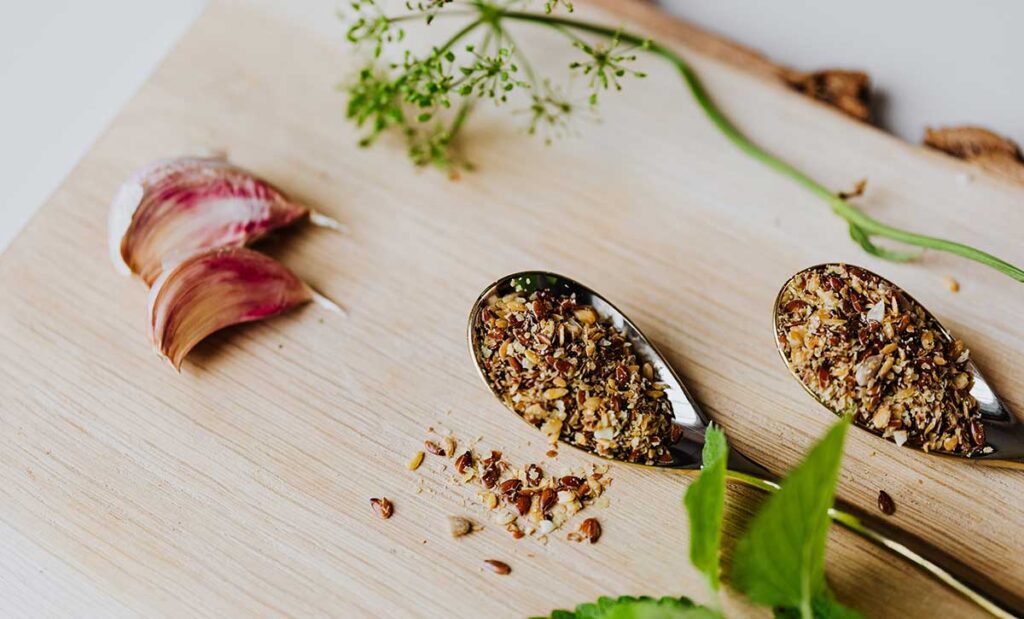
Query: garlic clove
[
  {"x": 177, "y": 207},
  {"x": 215, "y": 289}
]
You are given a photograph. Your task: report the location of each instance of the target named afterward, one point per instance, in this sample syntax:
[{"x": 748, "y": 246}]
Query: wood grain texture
[{"x": 240, "y": 487}]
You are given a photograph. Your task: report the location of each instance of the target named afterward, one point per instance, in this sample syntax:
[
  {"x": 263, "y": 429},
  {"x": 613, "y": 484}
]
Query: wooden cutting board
[{"x": 240, "y": 487}]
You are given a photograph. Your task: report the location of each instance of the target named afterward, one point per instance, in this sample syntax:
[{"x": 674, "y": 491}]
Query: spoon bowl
[
  {"x": 689, "y": 420},
  {"x": 1003, "y": 435}
]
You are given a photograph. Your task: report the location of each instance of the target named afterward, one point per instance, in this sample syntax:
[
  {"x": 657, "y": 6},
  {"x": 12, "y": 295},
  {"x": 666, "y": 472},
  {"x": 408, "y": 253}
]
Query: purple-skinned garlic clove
[
  {"x": 216, "y": 289},
  {"x": 174, "y": 208}
]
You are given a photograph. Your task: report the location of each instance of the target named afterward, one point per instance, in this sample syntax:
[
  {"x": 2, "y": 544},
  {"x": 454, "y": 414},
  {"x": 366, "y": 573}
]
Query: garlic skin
[
  {"x": 174, "y": 208},
  {"x": 216, "y": 289}
]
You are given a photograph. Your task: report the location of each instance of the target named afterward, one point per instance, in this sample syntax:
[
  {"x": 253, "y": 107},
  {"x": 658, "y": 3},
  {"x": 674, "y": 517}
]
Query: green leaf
[
  {"x": 824, "y": 606},
  {"x": 628, "y": 607},
  {"x": 862, "y": 239},
  {"x": 780, "y": 561},
  {"x": 705, "y": 504}
]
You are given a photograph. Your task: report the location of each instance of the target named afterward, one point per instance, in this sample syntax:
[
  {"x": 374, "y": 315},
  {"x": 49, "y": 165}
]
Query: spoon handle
[{"x": 902, "y": 543}]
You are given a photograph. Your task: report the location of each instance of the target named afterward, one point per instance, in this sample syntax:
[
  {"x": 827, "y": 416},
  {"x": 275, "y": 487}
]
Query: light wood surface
[{"x": 240, "y": 487}]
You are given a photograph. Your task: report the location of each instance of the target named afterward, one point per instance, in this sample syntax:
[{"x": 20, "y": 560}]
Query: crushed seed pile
[
  {"x": 526, "y": 500},
  {"x": 859, "y": 344},
  {"x": 572, "y": 374}
]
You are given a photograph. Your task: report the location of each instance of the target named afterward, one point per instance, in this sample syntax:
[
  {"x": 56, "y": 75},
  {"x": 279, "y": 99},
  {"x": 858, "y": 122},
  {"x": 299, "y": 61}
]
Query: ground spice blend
[
  {"x": 571, "y": 373},
  {"x": 861, "y": 345}
]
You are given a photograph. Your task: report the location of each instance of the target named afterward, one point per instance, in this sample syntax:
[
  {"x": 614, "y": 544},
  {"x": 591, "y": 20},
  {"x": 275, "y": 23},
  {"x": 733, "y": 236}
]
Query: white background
[{"x": 67, "y": 66}]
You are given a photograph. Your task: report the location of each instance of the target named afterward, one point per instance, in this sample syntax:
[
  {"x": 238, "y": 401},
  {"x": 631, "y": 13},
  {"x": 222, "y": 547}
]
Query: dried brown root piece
[
  {"x": 971, "y": 143},
  {"x": 848, "y": 91},
  {"x": 174, "y": 208},
  {"x": 217, "y": 289},
  {"x": 979, "y": 146}
]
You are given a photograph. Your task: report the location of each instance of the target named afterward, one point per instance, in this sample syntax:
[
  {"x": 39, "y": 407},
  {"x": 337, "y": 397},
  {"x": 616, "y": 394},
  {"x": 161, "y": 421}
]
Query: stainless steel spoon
[
  {"x": 1003, "y": 434},
  {"x": 693, "y": 422}
]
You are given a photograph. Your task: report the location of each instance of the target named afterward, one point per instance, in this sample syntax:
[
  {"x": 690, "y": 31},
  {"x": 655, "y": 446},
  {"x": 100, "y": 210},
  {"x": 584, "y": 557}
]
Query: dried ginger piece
[
  {"x": 847, "y": 91},
  {"x": 980, "y": 146}
]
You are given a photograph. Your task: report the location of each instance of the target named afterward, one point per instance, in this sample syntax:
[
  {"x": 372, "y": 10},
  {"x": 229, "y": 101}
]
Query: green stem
[
  {"x": 840, "y": 207},
  {"x": 417, "y": 16},
  {"x": 856, "y": 525},
  {"x": 467, "y": 104},
  {"x": 458, "y": 36},
  {"x": 521, "y": 55}
]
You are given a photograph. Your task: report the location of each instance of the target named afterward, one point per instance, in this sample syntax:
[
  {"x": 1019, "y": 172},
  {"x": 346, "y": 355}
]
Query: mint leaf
[
  {"x": 628, "y": 607},
  {"x": 780, "y": 561},
  {"x": 705, "y": 504},
  {"x": 823, "y": 606}
]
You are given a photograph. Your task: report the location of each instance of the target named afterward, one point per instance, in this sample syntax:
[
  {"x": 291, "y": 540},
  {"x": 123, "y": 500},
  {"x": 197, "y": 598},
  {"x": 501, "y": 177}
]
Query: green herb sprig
[
  {"x": 406, "y": 96},
  {"x": 780, "y": 559}
]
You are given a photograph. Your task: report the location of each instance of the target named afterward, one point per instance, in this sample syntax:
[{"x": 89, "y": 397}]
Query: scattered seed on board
[
  {"x": 498, "y": 567},
  {"x": 382, "y": 507},
  {"x": 591, "y": 530},
  {"x": 416, "y": 461},
  {"x": 433, "y": 448},
  {"x": 528, "y": 500},
  {"x": 460, "y": 526},
  {"x": 885, "y": 503}
]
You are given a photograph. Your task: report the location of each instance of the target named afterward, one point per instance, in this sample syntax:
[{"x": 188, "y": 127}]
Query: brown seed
[
  {"x": 463, "y": 461},
  {"x": 498, "y": 567},
  {"x": 540, "y": 309},
  {"x": 510, "y": 487},
  {"x": 822, "y": 377},
  {"x": 977, "y": 432},
  {"x": 562, "y": 366},
  {"x": 433, "y": 448},
  {"x": 571, "y": 481},
  {"x": 621, "y": 375},
  {"x": 548, "y": 498},
  {"x": 516, "y": 532},
  {"x": 382, "y": 507},
  {"x": 885, "y": 503},
  {"x": 514, "y": 364},
  {"x": 591, "y": 529},
  {"x": 551, "y": 453},
  {"x": 523, "y": 502},
  {"x": 490, "y": 476}
]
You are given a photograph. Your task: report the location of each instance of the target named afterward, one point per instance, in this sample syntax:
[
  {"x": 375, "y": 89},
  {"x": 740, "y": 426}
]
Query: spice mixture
[
  {"x": 575, "y": 376},
  {"x": 528, "y": 500},
  {"x": 861, "y": 345}
]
